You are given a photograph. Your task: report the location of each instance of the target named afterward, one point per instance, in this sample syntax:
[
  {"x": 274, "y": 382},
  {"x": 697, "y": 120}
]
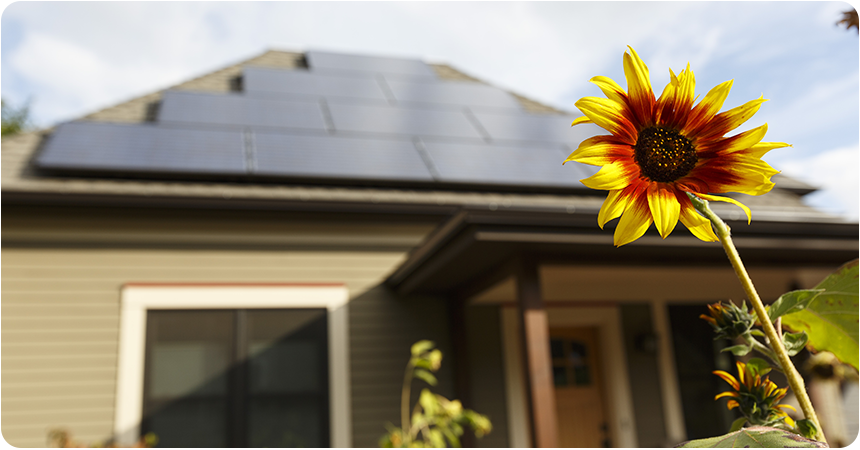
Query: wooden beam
[{"x": 536, "y": 355}]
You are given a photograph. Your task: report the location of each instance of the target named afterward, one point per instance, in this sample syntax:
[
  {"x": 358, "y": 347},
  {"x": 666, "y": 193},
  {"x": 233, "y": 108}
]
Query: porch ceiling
[{"x": 476, "y": 249}]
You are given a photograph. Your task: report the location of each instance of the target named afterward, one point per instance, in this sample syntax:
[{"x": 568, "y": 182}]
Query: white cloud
[{"x": 836, "y": 172}]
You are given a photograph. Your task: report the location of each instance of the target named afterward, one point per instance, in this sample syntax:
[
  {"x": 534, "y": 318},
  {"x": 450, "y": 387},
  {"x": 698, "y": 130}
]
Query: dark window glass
[
  {"x": 237, "y": 378},
  {"x": 697, "y": 354}
]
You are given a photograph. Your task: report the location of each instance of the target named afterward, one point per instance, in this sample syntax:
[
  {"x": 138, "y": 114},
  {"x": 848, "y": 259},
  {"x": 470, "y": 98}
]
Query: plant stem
[
  {"x": 761, "y": 348},
  {"x": 794, "y": 379},
  {"x": 404, "y": 404}
]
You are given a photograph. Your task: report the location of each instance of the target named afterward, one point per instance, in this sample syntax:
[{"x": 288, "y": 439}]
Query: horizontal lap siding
[
  {"x": 383, "y": 328},
  {"x": 60, "y": 322}
]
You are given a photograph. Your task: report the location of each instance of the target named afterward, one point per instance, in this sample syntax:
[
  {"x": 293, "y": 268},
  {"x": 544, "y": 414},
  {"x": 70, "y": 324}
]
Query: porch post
[{"x": 534, "y": 335}]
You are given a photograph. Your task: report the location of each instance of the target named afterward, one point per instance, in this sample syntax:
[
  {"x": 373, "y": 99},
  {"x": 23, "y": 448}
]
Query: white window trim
[{"x": 138, "y": 298}]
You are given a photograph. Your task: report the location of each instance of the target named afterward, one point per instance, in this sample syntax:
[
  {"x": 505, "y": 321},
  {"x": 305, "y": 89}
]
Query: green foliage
[
  {"x": 794, "y": 342},
  {"x": 435, "y": 421},
  {"x": 830, "y": 318},
  {"x": 60, "y": 438},
  {"x": 791, "y": 302},
  {"x": 758, "y": 366},
  {"x": 14, "y": 120},
  {"x": 806, "y": 428},
  {"x": 755, "y": 437},
  {"x": 738, "y": 350},
  {"x": 728, "y": 320},
  {"x": 737, "y": 424}
]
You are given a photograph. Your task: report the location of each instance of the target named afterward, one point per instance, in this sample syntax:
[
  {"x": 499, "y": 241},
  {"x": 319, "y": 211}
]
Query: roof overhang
[{"x": 475, "y": 248}]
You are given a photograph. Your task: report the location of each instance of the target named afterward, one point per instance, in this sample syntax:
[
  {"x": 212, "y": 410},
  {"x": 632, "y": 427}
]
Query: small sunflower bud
[{"x": 728, "y": 320}]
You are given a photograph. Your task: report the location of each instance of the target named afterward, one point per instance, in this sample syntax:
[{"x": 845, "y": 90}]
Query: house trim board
[
  {"x": 673, "y": 410},
  {"x": 137, "y": 298},
  {"x": 607, "y": 319}
]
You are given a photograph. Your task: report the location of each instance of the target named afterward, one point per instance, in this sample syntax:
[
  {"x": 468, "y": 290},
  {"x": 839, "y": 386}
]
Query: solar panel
[
  {"x": 401, "y": 121},
  {"x": 257, "y": 80},
  {"x": 505, "y": 164},
  {"x": 452, "y": 93},
  {"x": 395, "y": 66},
  {"x": 180, "y": 107},
  {"x": 142, "y": 148},
  {"x": 535, "y": 127},
  {"x": 338, "y": 157}
]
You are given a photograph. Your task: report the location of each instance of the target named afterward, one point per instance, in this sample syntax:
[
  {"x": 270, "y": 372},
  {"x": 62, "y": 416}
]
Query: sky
[{"x": 66, "y": 59}]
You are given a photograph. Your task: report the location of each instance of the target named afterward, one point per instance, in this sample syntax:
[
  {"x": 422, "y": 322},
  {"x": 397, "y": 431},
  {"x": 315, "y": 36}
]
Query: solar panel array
[{"x": 346, "y": 118}]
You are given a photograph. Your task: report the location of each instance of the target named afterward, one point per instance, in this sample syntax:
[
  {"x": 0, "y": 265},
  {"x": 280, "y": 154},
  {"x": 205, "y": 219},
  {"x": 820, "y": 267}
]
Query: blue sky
[{"x": 71, "y": 58}]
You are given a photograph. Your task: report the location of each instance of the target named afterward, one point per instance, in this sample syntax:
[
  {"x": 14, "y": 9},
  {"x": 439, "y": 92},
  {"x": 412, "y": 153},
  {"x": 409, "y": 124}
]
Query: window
[
  {"x": 237, "y": 378},
  {"x": 234, "y": 365}
]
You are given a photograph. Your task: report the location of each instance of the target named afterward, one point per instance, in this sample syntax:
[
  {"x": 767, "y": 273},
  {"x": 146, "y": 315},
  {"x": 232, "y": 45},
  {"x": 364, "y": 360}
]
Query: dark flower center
[{"x": 664, "y": 155}]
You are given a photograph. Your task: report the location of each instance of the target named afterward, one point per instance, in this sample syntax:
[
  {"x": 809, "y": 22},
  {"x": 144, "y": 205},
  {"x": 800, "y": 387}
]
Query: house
[{"x": 244, "y": 259}]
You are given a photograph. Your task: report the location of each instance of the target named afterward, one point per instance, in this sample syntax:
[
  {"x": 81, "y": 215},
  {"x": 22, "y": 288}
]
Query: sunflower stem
[
  {"x": 792, "y": 375},
  {"x": 763, "y": 349}
]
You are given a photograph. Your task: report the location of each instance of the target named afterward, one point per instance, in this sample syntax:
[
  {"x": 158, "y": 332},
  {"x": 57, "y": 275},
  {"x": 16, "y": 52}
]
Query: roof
[{"x": 23, "y": 181}]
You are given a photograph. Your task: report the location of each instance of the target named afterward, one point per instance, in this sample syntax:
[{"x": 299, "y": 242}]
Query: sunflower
[
  {"x": 728, "y": 320},
  {"x": 755, "y": 397},
  {"x": 660, "y": 149}
]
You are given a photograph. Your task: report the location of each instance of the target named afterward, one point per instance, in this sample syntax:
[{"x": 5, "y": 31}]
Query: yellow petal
[
  {"x": 638, "y": 84},
  {"x": 726, "y": 394},
  {"x": 598, "y": 151},
  {"x": 686, "y": 89},
  {"x": 607, "y": 114},
  {"x": 610, "y": 88},
  {"x": 746, "y": 139},
  {"x": 729, "y": 120},
  {"x": 789, "y": 421},
  {"x": 611, "y": 176},
  {"x": 761, "y": 149},
  {"x": 698, "y": 225},
  {"x": 729, "y": 200},
  {"x": 613, "y": 206},
  {"x": 669, "y": 92},
  {"x": 579, "y": 120},
  {"x": 746, "y": 166},
  {"x": 732, "y": 404},
  {"x": 787, "y": 406},
  {"x": 728, "y": 378},
  {"x": 707, "y": 108},
  {"x": 664, "y": 207},
  {"x": 634, "y": 222},
  {"x": 750, "y": 176}
]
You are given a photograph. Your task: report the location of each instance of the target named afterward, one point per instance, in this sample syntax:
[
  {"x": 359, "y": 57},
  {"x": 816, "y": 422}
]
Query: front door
[{"x": 579, "y": 388}]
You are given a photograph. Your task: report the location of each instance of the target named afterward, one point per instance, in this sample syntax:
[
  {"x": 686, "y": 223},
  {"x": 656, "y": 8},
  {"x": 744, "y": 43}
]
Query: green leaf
[
  {"x": 435, "y": 359},
  {"x": 794, "y": 342},
  {"x": 807, "y": 428},
  {"x": 792, "y": 302},
  {"x": 428, "y": 401},
  {"x": 437, "y": 439},
  {"x": 426, "y": 376},
  {"x": 759, "y": 366},
  {"x": 421, "y": 346},
  {"x": 738, "y": 424},
  {"x": 830, "y": 319},
  {"x": 758, "y": 333},
  {"x": 738, "y": 350},
  {"x": 455, "y": 441},
  {"x": 417, "y": 417},
  {"x": 755, "y": 437}
]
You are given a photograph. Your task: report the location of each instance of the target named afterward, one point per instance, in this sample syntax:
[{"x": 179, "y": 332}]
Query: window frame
[{"x": 137, "y": 298}]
